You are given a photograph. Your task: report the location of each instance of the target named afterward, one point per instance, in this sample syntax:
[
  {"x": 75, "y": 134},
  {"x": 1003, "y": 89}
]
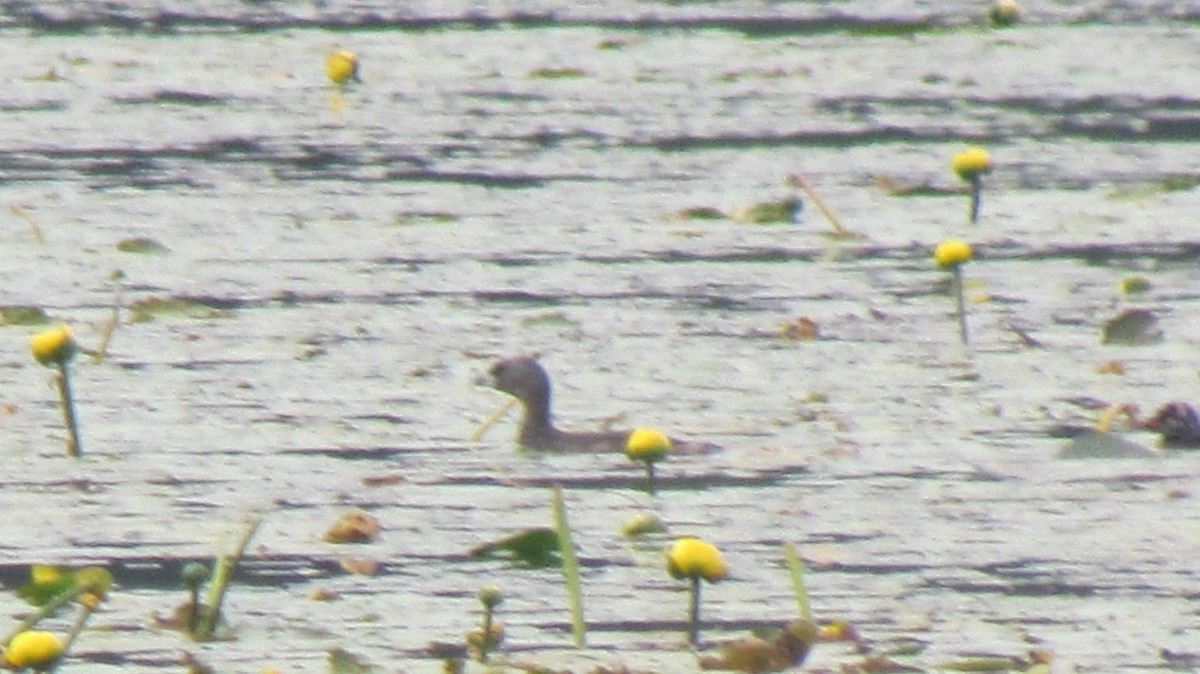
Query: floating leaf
[
  {"x": 1132, "y": 327},
  {"x": 147, "y": 309},
  {"x": 342, "y": 661},
  {"x": 536, "y": 547},
  {"x": 142, "y": 245},
  {"x": 355, "y": 526},
  {"x": 699, "y": 213},
  {"x": 557, "y": 73},
  {"x": 17, "y": 314},
  {"x": 784, "y": 210}
]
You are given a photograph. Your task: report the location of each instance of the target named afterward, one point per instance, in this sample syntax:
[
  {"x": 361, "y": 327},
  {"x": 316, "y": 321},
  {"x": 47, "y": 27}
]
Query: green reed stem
[
  {"x": 566, "y": 548},
  {"x": 219, "y": 583},
  {"x": 796, "y": 571},
  {"x": 694, "y": 612}
]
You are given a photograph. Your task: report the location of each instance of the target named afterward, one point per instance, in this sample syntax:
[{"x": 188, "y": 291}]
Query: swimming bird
[
  {"x": 524, "y": 378},
  {"x": 1177, "y": 423}
]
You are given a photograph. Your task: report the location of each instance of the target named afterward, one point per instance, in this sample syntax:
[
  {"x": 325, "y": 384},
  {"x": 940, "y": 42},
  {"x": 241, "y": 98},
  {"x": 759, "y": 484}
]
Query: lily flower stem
[
  {"x": 194, "y": 608},
  {"x": 85, "y": 612},
  {"x": 976, "y": 198},
  {"x": 486, "y": 643},
  {"x": 650, "y": 486},
  {"x": 68, "y": 408},
  {"x": 694, "y": 613},
  {"x": 960, "y": 303}
]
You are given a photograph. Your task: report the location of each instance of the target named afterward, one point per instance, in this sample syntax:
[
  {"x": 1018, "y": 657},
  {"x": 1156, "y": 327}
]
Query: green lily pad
[
  {"x": 142, "y": 246},
  {"x": 145, "y": 310},
  {"x": 1132, "y": 327},
  {"x": 19, "y": 314},
  {"x": 536, "y": 547}
]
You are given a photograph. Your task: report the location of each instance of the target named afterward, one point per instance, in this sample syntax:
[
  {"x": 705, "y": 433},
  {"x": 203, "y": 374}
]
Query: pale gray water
[{"x": 377, "y": 247}]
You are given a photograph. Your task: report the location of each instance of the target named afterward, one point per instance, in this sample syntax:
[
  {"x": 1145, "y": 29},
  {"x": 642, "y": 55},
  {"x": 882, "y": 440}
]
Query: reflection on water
[{"x": 508, "y": 180}]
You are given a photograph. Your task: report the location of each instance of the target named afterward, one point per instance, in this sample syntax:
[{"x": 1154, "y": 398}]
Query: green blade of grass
[
  {"x": 566, "y": 548},
  {"x": 222, "y": 573},
  {"x": 796, "y": 570}
]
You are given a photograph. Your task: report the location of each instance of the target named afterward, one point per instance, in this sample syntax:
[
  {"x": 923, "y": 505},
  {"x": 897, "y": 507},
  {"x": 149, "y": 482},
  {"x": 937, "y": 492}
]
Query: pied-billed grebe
[
  {"x": 1178, "y": 424},
  {"x": 524, "y": 378}
]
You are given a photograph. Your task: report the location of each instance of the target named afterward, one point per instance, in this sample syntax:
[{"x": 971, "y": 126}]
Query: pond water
[{"x": 507, "y": 179}]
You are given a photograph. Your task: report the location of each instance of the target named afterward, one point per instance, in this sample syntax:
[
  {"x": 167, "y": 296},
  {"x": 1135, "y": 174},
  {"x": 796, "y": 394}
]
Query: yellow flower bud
[
  {"x": 53, "y": 347},
  {"x": 33, "y": 649},
  {"x": 647, "y": 444},
  {"x": 342, "y": 66},
  {"x": 952, "y": 253},
  {"x": 971, "y": 163},
  {"x": 694, "y": 558}
]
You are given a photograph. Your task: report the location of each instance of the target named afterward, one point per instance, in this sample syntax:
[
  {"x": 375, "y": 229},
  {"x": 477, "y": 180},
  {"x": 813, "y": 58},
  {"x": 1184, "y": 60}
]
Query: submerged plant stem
[
  {"x": 960, "y": 302},
  {"x": 694, "y": 612},
  {"x": 68, "y": 409},
  {"x": 976, "y": 198},
  {"x": 566, "y": 548},
  {"x": 222, "y": 573}
]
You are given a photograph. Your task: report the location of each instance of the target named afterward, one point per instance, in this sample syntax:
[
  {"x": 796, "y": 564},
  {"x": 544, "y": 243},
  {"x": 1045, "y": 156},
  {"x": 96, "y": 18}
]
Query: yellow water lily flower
[
  {"x": 694, "y": 558},
  {"x": 971, "y": 163},
  {"x": 951, "y": 253},
  {"x": 54, "y": 346},
  {"x": 647, "y": 444},
  {"x": 342, "y": 66},
  {"x": 34, "y": 649}
]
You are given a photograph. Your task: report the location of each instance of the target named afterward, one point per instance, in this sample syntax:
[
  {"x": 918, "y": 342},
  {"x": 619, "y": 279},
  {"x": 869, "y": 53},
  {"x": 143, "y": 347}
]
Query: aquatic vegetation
[
  {"x": 643, "y": 524},
  {"x": 356, "y": 526},
  {"x": 802, "y": 329},
  {"x": 1004, "y": 13},
  {"x": 147, "y": 309},
  {"x": 970, "y": 166},
  {"x": 557, "y": 73},
  {"x": 491, "y": 633},
  {"x": 55, "y": 348},
  {"x": 34, "y": 649},
  {"x": 1134, "y": 285},
  {"x": 839, "y": 230},
  {"x": 197, "y": 619},
  {"x": 41, "y": 651},
  {"x": 768, "y": 212},
  {"x": 20, "y": 314},
  {"x": 1131, "y": 327},
  {"x": 695, "y": 560},
  {"x": 341, "y": 66},
  {"x": 141, "y": 245},
  {"x": 649, "y": 446},
  {"x": 788, "y": 648},
  {"x": 537, "y": 547},
  {"x": 570, "y": 566},
  {"x": 953, "y": 254}
]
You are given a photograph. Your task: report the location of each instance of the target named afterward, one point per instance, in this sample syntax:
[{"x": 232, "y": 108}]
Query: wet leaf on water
[
  {"x": 1111, "y": 367},
  {"x": 896, "y": 188},
  {"x": 414, "y": 217},
  {"x": 141, "y": 245},
  {"x": 360, "y": 566},
  {"x": 145, "y": 310},
  {"x": 802, "y": 329},
  {"x": 1179, "y": 183},
  {"x": 552, "y": 319},
  {"x": 699, "y": 213},
  {"x": 557, "y": 73},
  {"x": 535, "y": 547},
  {"x": 16, "y": 314},
  {"x": 788, "y": 648},
  {"x": 771, "y": 212},
  {"x": 355, "y": 526},
  {"x": 342, "y": 661},
  {"x": 1132, "y": 327},
  {"x": 1134, "y": 285}
]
